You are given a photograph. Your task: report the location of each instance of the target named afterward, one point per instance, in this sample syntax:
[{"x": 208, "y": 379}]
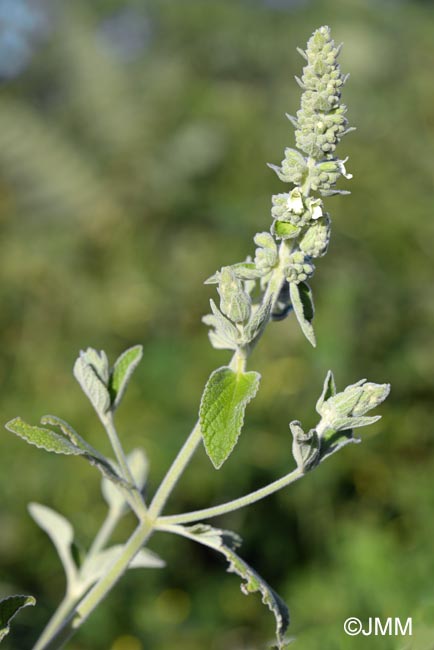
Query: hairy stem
[
  {"x": 237, "y": 363},
  {"x": 133, "y": 496},
  {"x": 93, "y": 598},
  {"x": 235, "y": 504}
]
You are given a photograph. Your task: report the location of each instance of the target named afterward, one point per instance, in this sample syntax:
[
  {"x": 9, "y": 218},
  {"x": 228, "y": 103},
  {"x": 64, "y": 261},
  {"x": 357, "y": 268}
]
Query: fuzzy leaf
[
  {"x": 222, "y": 409},
  {"x": 69, "y": 432},
  {"x": 9, "y": 607},
  {"x": 329, "y": 390},
  {"x": 69, "y": 444},
  {"x": 225, "y": 335},
  {"x": 235, "y": 303},
  {"x": 305, "y": 447},
  {"x": 61, "y": 533},
  {"x": 121, "y": 373},
  {"x": 225, "y": 542},
  {"x": 247, "y": 271},
  {"x": 91, "y": 373},
  {"x": 43, "y": 438},
  {"x": 301, "y": 298}
]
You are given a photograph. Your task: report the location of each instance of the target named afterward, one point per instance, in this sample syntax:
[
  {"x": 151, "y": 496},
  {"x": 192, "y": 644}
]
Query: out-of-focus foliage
[{"x": 133, "y": 145}]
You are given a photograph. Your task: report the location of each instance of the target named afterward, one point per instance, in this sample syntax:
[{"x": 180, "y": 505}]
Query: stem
[
  {"x": 70, "y": 599},
  {"x": 64, "y": 609},
  {"x": 185, "y": 454},
  {"x": 236, "y": 504},
  {"x": 104, "y": 533},
  {"x": 237, "y": 363},
  {"x": 55, "y": 636},
  {"x": 135, "y": 499},
  {"x": 100, "y": 590},
  {"x": 175, "y": 471}
]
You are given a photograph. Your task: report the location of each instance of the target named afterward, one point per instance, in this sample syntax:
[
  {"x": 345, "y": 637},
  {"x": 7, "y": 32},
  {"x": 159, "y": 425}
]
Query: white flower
[
  {"x": 315, "y": 207},
  {"x": 341, "y": 168},
  {"x": 295, "y": 201}
]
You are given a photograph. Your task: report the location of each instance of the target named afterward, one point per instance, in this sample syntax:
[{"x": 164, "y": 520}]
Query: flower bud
[{"x": 316, "y": 239}]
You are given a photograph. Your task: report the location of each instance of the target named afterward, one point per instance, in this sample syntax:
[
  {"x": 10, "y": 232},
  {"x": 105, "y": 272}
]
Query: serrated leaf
[
  {"x": 138, "y": 464},
  {"x": 69, "y": 432},
  {"x": 225, "y": 542},
  {"x": 9, "y": 607},
  {"x": 43, "y": 438},
  {"x": 328, "y": 390},
  {"x": 92, "y": 379},
  {"x": 222, "y": 409},
  {"x": 70, "y": 444},
  {"x": 61, "y": 533},
  {"x": 301, "y": 298},
  {"x": 121, "y": 373},
  {"x": 87, "y": 451}
]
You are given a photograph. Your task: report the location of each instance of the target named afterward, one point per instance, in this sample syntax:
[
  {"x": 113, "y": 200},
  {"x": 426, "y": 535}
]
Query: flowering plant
[{"x": 251, "y": 295}]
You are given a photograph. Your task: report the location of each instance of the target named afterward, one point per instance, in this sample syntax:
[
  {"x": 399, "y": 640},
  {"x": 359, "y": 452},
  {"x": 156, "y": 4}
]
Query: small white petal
[{"x": 295, "y": 201}]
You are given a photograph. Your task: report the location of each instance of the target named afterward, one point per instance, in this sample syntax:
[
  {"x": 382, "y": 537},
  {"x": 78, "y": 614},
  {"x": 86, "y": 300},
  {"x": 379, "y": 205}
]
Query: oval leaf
[
  {"x": 122, "y": 371},
  {"x": 91, "y": 380},
  {"x": 302, "y": 301},
  {"x": 222, "y": 409},
  {"x": 9, "y": 607}
]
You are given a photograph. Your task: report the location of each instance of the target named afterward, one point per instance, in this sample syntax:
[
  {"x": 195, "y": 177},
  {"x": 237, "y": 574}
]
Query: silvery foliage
[
  {"x": 340, "y": 414},
  {"x": 251, "y": 294},
  {"x": 300, "y": 228}
]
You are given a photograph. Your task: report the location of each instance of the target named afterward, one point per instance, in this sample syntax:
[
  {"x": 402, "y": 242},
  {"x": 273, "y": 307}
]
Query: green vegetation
[{"x": 123, "y": 185}]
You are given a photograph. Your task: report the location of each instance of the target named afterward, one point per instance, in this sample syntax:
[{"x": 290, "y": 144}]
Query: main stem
[{"x": 238, "y": 362}]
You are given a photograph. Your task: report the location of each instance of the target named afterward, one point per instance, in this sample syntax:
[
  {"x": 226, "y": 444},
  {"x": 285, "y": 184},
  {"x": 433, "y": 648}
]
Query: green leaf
[
  {"x": 284, "y": 230},
  {"x": 235, "y": 303},
  {"x": 247, "y": 271},
  {"x": 225, "y": 542},
  {"x": 43, "y": 438},
  {"x": 305, "y": 447},
  {"x": 86, "y": 450},
  {"x": 69, "y": 444},
  {"x": 225, "y": 335},
  {"x": 9, "y": 607},
  {"x": 301, "y": 298},
  {"x": 328, "y": 390},
  {"x": 222, "y": 409},
  {"x": 69, "y": 432},
  {"x": 61, "y": 533},
  {"x": 121, "y": 373},
  {"x": 91, "y": 372}
]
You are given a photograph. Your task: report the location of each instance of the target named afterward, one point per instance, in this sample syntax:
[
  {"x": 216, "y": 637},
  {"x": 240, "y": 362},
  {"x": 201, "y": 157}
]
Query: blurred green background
[{"x": 133, "y": 143}]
